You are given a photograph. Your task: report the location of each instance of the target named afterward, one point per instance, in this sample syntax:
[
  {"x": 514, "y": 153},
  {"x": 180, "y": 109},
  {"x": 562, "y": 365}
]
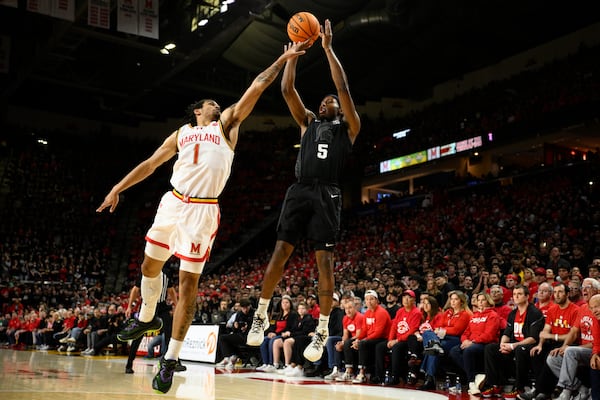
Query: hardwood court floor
[{"x": 50, "y": 375}]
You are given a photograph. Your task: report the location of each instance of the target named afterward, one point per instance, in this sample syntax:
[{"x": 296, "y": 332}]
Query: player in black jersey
[{"x": 312, "y": 206}]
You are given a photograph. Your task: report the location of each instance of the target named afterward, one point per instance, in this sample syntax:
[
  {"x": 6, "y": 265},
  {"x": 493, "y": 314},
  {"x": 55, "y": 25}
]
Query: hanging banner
[
  {"x": 99, "y": 13},
  {"x": 127, "y": 16},
  {"x": 63, "y": 9},
  {"x": 148, "y": 22},
  {"x": 39, "y": 6}
]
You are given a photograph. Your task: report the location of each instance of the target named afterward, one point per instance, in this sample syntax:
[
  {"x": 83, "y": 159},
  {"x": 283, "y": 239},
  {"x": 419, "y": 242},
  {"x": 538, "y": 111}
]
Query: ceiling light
[
  {"x": 170, "y": 46},
  {"x": 164, "y": 51},
  {"x": 203, "y": 22}
]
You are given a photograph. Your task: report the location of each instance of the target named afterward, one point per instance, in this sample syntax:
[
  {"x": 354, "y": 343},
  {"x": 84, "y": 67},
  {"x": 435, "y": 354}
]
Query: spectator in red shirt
[
  {"x": 575, "y": 292},
  {"x": 13, "y": 326},
  {"x": 595, "y": 359},
  {"x": 512, "y": 280},
  {"x": 530, "y": 282},
  {"x": 313, "y": 306},
  {"x": 353, "y": 322},
  {"x": 500, "y": 307},
  {"x": 484, "y": 327},
  {"x": 376, "y": 329},
  {"x": 430, "y": 320},
  {"x": 569, "y": 361},
  {"x": 405, "y": 323},
  {"x": 545, "y": 297},
  {"x": 454, "y": 321}
]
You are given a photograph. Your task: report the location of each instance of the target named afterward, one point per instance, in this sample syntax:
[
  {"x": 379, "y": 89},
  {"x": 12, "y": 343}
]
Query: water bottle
[
  {"x": 387, "y": 380},
  {"x": 447, "y": 384},
  {"x": 458, "y": 386}
]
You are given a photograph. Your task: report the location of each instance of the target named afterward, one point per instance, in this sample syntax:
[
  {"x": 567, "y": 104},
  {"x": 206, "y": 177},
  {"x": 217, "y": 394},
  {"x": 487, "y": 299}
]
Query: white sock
[
  {"x": 263, "y": 306},
  {"x": 323, "y": 322},
  {"x": 151, "y": 288},
  {"x": 173, "y": 349}
]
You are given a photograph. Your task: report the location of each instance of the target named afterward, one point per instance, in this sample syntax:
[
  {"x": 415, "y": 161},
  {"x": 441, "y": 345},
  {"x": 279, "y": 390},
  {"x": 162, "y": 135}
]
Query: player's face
[
  {"x": 329, "y": 108},
  {"x": 211, "y": 108}
]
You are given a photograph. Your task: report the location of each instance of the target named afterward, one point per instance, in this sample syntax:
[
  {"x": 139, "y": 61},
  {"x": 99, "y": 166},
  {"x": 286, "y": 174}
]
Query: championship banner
[
  {"x": 63, "y": 9},
  {"x": 99, "y": 13},
  {"x": 4, "y": 53},
  {"x": 39, "y": 6},
  {"x": 148, "y": 22},
  {"x": 9, "y": 3},
  {"x": 127, "y": 16}
]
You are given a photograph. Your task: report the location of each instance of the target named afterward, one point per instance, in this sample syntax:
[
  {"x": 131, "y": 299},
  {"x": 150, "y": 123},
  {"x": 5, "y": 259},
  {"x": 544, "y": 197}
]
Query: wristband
[
  {"x": 511, "y": 346},
  {"x": 556, "y": 337}
]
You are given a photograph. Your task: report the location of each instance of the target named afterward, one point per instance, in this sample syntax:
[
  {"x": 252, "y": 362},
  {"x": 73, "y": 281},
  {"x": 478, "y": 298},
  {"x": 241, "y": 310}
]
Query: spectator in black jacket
[
  {"x": 522, "y": 332},
  {"x": 229, "y": 343}
]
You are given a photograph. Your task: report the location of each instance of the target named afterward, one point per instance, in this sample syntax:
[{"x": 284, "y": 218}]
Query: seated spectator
[
  {"x": 511, "y": 281},
  {"x": 405, "y": 323},
  {"x": 530, "y": 281},
  {"x": 521, "y": 334},
  {"x": 569, "y": 361},
  {"x": 443, "y": 285},
  {"x": 455, "y": 319},
  {"x": 230, "y": 343},
  {"x": 376, "y": 329},
  {"x": 3, "y": 327},
  {"x": 561, "y": 317},
  {"x": 285, "y": 321},
  {"x": 67, "y": 321},
  {"x": 221, "y": 314},
  {"x": 116, "y": 323},
  {"x": 575, "y": 292},
  {"x": 74, "y": 334},
  {"x": 45, "y": 330},
  {"x": 483, "y": 328},
  {"x": 595, "y": 358},
  {"x": 313, "y": 306},
  {"x": 391, "y": 303},
  {"x": 430, "y": 320},
  {"x": 500, "y": 307},
  {"x": 24, "y": 335},
  {"x": 353, "y": 323},
  {"x": 305, "y": 324},
  {"x": 545, "y": 297},
  {"x": 96, "y": 329},
  {"x": 14, "y": 324}
]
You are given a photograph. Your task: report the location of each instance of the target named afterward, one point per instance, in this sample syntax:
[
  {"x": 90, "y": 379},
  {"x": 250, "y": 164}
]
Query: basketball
[{"x": 302, "y": 26}]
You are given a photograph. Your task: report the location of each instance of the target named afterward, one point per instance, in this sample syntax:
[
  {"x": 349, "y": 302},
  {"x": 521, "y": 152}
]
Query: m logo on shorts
[{"x": 196, "y": 248}]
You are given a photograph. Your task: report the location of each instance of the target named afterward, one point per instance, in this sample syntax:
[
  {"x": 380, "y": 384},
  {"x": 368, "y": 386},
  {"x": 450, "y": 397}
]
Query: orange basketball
[{"x": 302, "y": 26}]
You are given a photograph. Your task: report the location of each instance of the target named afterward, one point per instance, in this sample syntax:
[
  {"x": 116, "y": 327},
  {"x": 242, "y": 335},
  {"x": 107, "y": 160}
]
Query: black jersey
[{"x": 324, "y": 149}]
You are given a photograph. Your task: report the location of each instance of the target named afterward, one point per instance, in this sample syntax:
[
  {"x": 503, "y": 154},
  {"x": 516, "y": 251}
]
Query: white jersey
[{"x": 204, "y": 161}]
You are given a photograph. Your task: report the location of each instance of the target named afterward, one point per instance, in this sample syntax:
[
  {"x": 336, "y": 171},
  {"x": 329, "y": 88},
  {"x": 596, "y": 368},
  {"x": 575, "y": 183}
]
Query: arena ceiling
[{"x": 390, "y": 48}]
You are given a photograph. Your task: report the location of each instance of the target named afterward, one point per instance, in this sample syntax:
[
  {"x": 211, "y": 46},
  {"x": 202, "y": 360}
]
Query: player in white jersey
[{"x": 188, "y": 216}]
